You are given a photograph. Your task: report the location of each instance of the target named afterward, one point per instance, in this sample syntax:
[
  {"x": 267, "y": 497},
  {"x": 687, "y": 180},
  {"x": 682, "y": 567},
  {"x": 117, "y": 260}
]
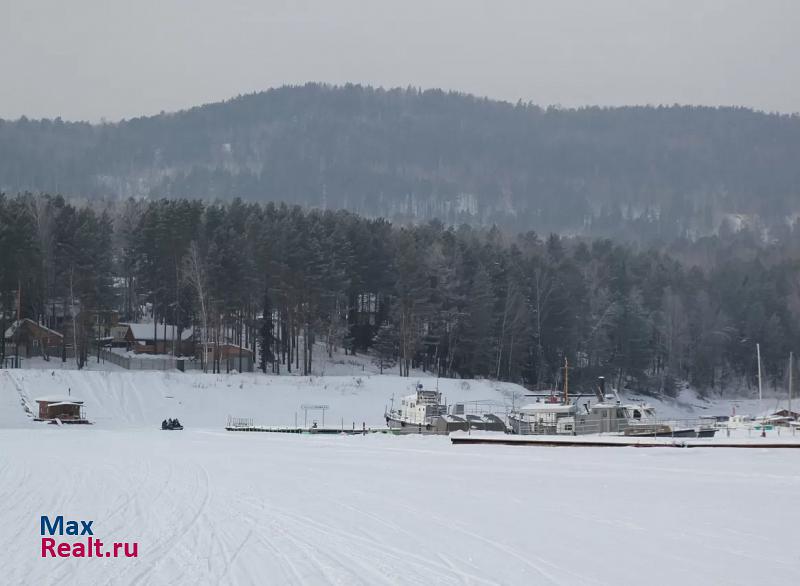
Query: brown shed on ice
[{"x": 66, "y": 409}]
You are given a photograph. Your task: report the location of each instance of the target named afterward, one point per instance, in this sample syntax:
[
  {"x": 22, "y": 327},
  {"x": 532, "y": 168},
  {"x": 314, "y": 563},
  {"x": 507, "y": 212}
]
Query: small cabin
[
  {"x": 230, "y": 356},
  {"x": 794, "y": 415},
  {"x": 66, "y": 409},
  {"x": 160, "y": 339}
]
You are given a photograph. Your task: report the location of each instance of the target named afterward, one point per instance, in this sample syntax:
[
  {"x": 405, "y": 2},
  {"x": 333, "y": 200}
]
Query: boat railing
[
  {"x": 613, "y": 426},
  {"x": 643, "y": 427}
]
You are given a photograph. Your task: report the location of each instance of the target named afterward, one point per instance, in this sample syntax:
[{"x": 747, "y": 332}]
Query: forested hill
[{"x": 415, "y": 155}]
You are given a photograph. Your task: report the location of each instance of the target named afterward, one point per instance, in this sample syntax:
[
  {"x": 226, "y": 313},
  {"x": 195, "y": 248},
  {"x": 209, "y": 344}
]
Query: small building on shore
[
  {"x": 27, "y": 338},
  {"x": 64, "y": 408},
  {"x": 158, "y": 339},
  {"x": 229, "y": 356}
]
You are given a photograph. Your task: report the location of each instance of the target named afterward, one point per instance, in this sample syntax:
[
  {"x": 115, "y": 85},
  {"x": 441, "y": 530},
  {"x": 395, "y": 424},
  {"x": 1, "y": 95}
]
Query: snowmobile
[{"x": 171, "y": 425}]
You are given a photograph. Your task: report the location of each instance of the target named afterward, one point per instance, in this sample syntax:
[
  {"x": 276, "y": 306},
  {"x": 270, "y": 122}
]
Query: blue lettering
[
  {"x": 58, "y": 526},
  {"x": 50, "y": 529}
]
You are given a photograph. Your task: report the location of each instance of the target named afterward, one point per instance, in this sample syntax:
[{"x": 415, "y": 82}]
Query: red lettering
[
  {"x": 63, "y": 550},
  {"x": 79, "y": 550},
  {"x": 97, "y": 545},
  {"x": 48, "y": 543},
  {"x": 117, "y": 547},
  {"x": 134, "y": 550}
]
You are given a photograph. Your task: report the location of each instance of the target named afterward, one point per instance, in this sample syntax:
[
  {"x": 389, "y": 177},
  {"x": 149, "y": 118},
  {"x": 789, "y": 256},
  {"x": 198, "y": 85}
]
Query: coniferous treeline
[{"x": 460, "y": 302}]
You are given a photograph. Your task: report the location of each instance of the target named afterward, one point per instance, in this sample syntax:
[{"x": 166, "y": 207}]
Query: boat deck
[{"x": 312, "y": 430}]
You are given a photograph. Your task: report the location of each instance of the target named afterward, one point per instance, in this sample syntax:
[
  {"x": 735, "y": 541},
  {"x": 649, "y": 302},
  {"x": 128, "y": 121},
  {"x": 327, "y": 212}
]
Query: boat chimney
[{"x": 600, "y": 389}]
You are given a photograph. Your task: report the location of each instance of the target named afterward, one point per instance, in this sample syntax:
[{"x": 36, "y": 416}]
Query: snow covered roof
[
  {"x": 60, "y": 399},
  {"x": 145, "y": 332},
  {"x": 62, "y": 403},
  {"x": 13, "y": 328},
  {"x": 547, "y": 408}
]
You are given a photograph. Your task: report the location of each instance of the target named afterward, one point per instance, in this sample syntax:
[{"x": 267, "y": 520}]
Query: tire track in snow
[
  {"x": 538, "y": 565},
  {"x": 162, "y": 548},
  {"x": 403, "y": 559}
]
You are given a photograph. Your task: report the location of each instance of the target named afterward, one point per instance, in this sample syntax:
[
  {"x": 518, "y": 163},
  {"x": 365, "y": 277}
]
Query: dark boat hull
[
  {"x": 676, "y": 433},
  {"x": 403, "y": 427}
]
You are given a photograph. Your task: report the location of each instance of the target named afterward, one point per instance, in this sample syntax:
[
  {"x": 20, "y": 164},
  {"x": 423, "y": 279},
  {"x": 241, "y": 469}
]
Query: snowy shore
[{"x": 213, "y": 507}]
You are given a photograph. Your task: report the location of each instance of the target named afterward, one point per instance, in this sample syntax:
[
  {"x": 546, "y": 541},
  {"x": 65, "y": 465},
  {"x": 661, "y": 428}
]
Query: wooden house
[
  {"x": 64, "y": 408},
  {"x": 27, "y": 338},
  {"x": 229, "y": 356},
  {"x": 161, "y": 339}
]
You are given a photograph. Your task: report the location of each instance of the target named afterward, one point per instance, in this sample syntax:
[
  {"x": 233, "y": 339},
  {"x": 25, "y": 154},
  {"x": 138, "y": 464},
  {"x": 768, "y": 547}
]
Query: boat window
[
  {"x": 637, "y": 414},
  {"x": 620, "y": 414},
  {"x": 412, "y": 405}
]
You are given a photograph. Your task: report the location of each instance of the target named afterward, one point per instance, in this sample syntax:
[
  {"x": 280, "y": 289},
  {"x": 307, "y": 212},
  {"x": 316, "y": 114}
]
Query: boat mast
[
  {"x": 791, "y": 356},
  {"x": 566, "y": 381},
  {"x": 758, "y": 354},
  {"x": 760, "y": 402}
]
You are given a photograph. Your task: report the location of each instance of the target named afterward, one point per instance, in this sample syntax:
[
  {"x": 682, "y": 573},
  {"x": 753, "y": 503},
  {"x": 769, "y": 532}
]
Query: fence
[{"x": 165, "y": 363}]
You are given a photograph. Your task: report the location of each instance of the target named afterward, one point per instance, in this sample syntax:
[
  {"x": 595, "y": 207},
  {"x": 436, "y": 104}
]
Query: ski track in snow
[
  {"x": 220, "y": 508},
  {"x": 213, "y": 507}
]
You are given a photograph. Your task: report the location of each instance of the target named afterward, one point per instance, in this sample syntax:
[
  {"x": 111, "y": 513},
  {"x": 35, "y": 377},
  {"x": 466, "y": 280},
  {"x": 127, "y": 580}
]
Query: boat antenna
[
  {"x": 760, "y": 401},
  {"x": 758, "y": 355},
  {"x": 566, "y": 381},
  {"x": 791, "y": 357}
]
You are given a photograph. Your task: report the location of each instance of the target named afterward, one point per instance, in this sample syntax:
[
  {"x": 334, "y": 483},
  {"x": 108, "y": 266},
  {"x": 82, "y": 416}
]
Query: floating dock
[
  {"x": 309, "y": 430},
  {"x": 618, "y": 442}
]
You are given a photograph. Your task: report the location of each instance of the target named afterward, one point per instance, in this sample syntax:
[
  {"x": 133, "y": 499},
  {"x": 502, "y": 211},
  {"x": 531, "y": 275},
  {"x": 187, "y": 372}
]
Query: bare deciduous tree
[{"x": 194, "y": 273}]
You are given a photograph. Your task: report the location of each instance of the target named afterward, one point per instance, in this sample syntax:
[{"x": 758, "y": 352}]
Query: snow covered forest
[
  {"x": 462, "y": 302},
  {"x": 407, "y": 154}
]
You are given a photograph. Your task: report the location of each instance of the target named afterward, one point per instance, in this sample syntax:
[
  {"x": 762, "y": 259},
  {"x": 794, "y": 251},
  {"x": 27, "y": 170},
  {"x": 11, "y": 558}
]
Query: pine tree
[
  {"x": 384, "y": 347},
  {"x": 479, "y": 324}
]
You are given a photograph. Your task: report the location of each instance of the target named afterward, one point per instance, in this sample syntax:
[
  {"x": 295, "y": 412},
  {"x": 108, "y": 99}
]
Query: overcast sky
[{"x": 93, "y": 59}]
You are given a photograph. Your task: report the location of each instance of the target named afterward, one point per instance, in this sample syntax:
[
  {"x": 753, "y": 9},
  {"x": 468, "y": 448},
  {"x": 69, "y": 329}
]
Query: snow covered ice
[{"x": 213, "y": 507}]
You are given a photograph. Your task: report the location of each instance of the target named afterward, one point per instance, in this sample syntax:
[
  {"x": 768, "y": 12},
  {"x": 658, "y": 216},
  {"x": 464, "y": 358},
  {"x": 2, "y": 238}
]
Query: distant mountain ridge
[{"x": 411, "y": 155}]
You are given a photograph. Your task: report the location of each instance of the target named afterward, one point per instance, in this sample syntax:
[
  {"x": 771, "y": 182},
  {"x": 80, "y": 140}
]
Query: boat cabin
[
  {"x": 421, "y": 407},
  {"x": 545, "y": 418}
]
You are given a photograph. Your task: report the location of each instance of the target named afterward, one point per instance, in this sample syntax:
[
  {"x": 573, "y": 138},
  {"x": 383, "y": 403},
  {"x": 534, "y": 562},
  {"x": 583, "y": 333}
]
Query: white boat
[
  {"x": 424, "y": 412},
  {"x": 543, "y": 418},
  {"x": 416, "y": 413},
  {"x": 606, "y": 416}
]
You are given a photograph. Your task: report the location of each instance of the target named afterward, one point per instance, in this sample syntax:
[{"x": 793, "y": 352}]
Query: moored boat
[{"x": 424, "y": 412}]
